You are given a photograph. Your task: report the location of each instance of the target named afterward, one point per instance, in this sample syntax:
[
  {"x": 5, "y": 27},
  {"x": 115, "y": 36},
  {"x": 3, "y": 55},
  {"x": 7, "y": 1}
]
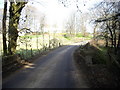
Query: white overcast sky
[{"x": 55, "y": 12}]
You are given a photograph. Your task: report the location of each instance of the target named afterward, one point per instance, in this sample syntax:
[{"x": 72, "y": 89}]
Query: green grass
[
  {"x": 64, "y": 38},
  {"x": 25, "y": 54},
  {"x": 79, "y": 35},
  {"x": 104, "y": 49},
  {"x": 31, "y": 36},
  {"x": 100, "y": 56},
  {"x": 68, "y": 38}
]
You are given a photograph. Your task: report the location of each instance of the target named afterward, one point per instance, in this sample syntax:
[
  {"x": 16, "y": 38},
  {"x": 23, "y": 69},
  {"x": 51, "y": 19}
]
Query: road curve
[{"x": 54, "y": 70}]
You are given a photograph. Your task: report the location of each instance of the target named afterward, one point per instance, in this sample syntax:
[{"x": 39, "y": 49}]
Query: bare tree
[
  {"x": 110, "y": 17},
  {"x": 42, "y": 24},
  {"x": 70, "y": 25},
  {"x": 83, "y": 24}
]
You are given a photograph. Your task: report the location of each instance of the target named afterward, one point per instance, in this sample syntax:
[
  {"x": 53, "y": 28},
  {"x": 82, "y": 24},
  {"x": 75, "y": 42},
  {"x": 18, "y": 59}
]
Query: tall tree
[
  {"x": 42, "y": 25},
  {"x": 15, "y": 12},
  {"x": 70, "y": 25},
  {"x": 4, "y": 29},
  {"x": 109, "y": 15}
]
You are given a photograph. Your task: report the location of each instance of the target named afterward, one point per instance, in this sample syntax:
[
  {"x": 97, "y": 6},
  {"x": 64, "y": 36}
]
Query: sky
[
  {"x": 1, "y": 3},
  {"x": 55, "y": 12}
]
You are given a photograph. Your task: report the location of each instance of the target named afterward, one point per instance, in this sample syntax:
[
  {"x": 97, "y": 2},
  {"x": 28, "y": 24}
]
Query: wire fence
[{"x": 31, "y": 44}]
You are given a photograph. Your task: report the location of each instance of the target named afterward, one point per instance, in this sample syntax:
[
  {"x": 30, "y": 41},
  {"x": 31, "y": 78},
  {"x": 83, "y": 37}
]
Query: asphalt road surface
[{"x": 57, "y": 69}]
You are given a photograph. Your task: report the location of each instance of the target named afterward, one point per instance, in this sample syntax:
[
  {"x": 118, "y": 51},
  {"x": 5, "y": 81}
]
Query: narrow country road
[{"x": 54, "y": 70}]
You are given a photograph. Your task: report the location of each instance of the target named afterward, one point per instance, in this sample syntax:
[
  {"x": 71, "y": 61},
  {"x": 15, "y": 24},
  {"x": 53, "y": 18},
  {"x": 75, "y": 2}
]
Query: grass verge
[{"x": 92, "y": 60}]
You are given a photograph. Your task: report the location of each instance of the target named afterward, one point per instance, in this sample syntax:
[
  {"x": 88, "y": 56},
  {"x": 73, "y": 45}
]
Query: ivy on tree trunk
[{"x": 15, "y": 12}]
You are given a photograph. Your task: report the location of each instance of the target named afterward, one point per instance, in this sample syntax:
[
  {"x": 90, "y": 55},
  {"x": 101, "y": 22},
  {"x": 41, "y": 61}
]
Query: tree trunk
[
  {"x": 94, "y": 31},
  {"x": 15, "y": 10},
  {"x": 115, "y": 36},
  {"x": 115, "y": 46},
  {"x": 4, "y": 29},
  {"x": 118, "y": 44},
  {"x": 43, "y": 39},
  {"x": 111, "y": 34},
  {"x": 106, "y": 40},
  {"x": 49, "y": 39}
]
